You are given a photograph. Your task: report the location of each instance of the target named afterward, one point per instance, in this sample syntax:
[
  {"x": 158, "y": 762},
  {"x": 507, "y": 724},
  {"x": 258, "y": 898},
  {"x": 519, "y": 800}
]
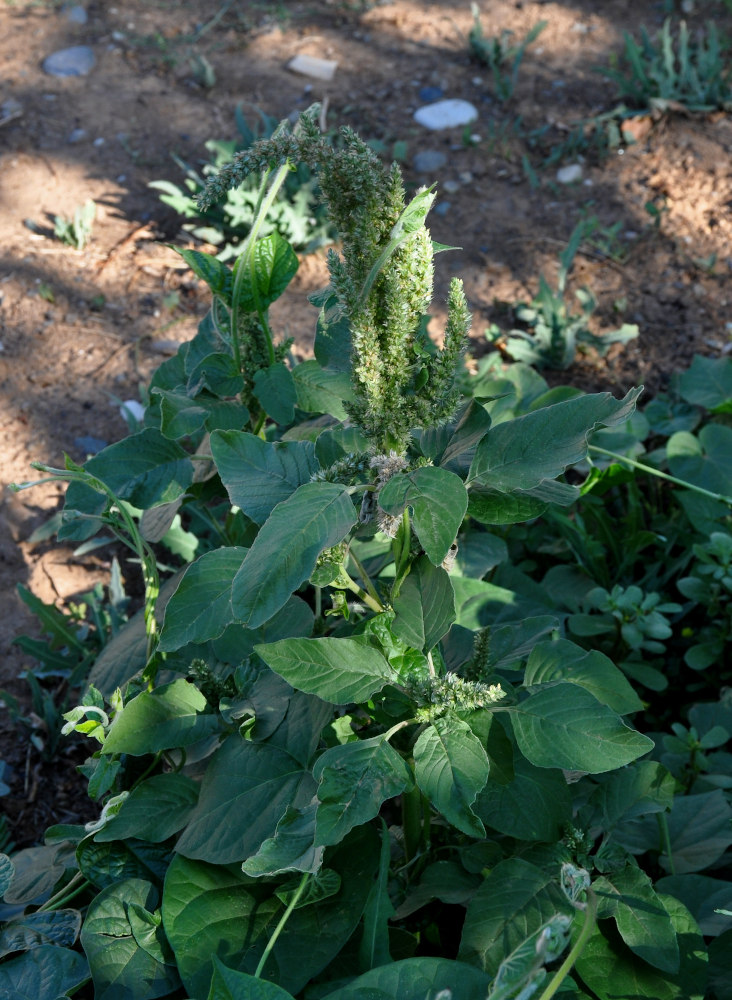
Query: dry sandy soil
[{"x": 80, "y": 330}]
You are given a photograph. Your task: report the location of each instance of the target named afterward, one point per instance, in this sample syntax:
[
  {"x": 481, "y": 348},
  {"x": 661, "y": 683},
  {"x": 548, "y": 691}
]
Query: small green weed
[
  {"x": 76, "y": 231},
  {"x": 677, "y": 69},
  {"x": 501, "y": 54}
]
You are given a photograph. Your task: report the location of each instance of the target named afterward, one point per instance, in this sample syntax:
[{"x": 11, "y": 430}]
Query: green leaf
[
  {"x": 155, "y": 809},
  {"x": 228, "y": 984},
  {"x": 645, "y": 926},
  {"x": 283, "y": 555},
  {"x": 37, "y": 870},
  {"x": 180, "y": 416},
  {"x": 355, "y": 779},
  {"x": 708, "y": 383},
  {"x": 200, "y": 608},
  {"x": 145, "y": 469},
  {"x": 566, "y": 726},
  {"x": 322, "y": 390},
  {"x": 493, "y": 507},
  {"x": 524, "y": 453},
  {"x": 374, "y": 948},
  {"x": 447, "y": 881},
  {"x": 260, "y": 474},
  {"x": 34, "y": 930},
  {"x": 274, "y": 388},
  {"x": 118, "y": 964},
  {"x": 451, "y": 768},
  {"x": 107, "y": 864},
  {"x": 700, "y": 831},
  {"x": 611, "y": 970},
  {"x": 703, "y": 896},
  {"x": 265, "y": 272},
  {"x": 292, "y": 848},
  {"x": 245, "y": 793},
  {"x": 473, "y": 424},
  {"x": 46, "y": 973},
  {"x": 417, "y": 979},
  {"x": 562, "y": 660},
  {"x": 704, "y": 460},
  {"x": 173, "y": 715},
  {"x": 238, "y": 642},
  {"x": 647, "y": 787},
  {"x": 207, "y": 267},
  {"x": 216, "y": 372},
  {"x": 535, "y": 805},
  {"x": 332, "y": 347},
  {"x": 337, "y": 670},
  {"x": 425, "y": 607},
  {"x": 7, "y": 871},
  {"x": 439, "y": 501},
  {"x": 515, "y": 900}
]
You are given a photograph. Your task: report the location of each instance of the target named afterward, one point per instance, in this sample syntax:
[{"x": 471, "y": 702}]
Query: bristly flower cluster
[
  {"x": 382, "y": 281},
  {"x": 438, "y": 695}
]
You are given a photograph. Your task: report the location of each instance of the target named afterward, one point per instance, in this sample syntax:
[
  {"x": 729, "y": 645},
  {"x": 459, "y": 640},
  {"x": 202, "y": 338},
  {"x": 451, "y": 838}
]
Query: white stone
[
  {"x": 570, "y": 174},
  {"x": 446, "y": 114},
  {"x": 318, "y": 69},
  {"x": 132, "y": 408}
]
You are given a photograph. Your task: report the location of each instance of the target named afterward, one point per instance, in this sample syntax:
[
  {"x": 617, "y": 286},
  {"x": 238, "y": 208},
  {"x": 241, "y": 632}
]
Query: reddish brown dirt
[{"x": 83, "y": 329}]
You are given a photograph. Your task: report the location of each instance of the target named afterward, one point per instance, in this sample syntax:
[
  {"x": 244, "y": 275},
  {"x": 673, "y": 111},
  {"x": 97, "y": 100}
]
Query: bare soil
[{"x": 82, "y": 330}]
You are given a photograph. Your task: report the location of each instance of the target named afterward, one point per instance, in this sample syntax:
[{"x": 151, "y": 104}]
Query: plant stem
[
  {"x": 579, "y": 946},
  {"x": 368, "y": 600},
  {"x": 412, "y": 821},
  {"x": 364, "y": 576},
  {"x": 63, "y": 895},
  {"x": 661, "y": 475},
  {"x": 280, "y": 926},
  {"x": 662, "y": 821}
]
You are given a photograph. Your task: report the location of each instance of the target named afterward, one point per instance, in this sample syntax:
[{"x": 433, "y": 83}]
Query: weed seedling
[
  {"x": 501, "y": 54},
  {"x": 76, "y": 231}
]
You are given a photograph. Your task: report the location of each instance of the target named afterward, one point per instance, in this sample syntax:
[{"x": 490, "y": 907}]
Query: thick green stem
[
  {"x": 281, "y": 925},
  {"x": 77, "y": 884},
  {"x": 370, "y": 602},
  {"x": 579, "y": 946},
  {"x": 661, "y": 475},
  {"x": 364, "y": 576},
  {"x": 662, "y": 821}
]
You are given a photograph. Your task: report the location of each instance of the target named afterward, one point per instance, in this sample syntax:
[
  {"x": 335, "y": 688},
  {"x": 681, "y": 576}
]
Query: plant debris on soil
[{"x": 82, "y": 329}]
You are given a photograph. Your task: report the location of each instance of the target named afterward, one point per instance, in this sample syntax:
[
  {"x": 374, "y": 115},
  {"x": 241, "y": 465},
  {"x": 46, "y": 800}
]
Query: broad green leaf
[
  {"x": 332, "y": 347},
  {"x": 292, "y": 848},
  {"x": 212, "y": 910},
  {"x": 337, "y": 442},
  {"x": 562, "y": 660},
  {"x": 447, "y": 881},
  {"x": 45, "y": 973},
  {"x": 417, "y": 979},
  {"x": 155, "y": 809},
  {"x": 33, "y": 930},
  {"x": 238, "y": 642},
  {"x": 478, "y": 553},
  {"x": 107, "y": 864},
  {"x": 566, "y": 726},
  {"x": 7, "y": 870},
  {"x": 494, "y": 507},
  {"x": 704, "y": 897},
  {"x": 322, "y": 390},
  {"x": 611, "y": 970},
  {"x": 646, "y": 787},
  {"x": 523, "y": 453},
  {"x": 259, "y": 474},
  {"x": 451, "y": 768},
  {"x": 173, "y": 715},
  {"x": 283, "y": 555},
  {"x": 355, "y": 779},
  {"x": 645, "y": 926},
  {"x": 425, "y": 607},
  {"x": 513, "y": 902},
  {"x": 228, "y": 984},
  {"x": 145, "y": 469},
  {"x": 36, "y": 872},
  {"x": 274, "y": 388},
  {"x": 337, "y": 670},
  {"x": 473, "y": 424},
  {"x": 704, "y": 459},
  {"x": 535, "y": 805},
  {"x": 245, "y": 792},
  {"x": 439, "y": 501},
  {"x": 264, "y": 273},
  {"x": 118, "y": 964},
  {"x": 200, "y": 608},
  {"x": 180, "y": 416},
  {"x": 700, "y": 831},
  {"x": 510, "y": 644},
  {"x": 207, "y": 267},
  {"x": 708, "y": 383},
  {"x": 218, "y": 373}
]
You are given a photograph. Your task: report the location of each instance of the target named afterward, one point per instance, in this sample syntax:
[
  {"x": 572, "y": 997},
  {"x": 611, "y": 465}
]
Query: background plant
[
  {"x": 76, "y": 231},
  {"x": 501, "y": 54}
]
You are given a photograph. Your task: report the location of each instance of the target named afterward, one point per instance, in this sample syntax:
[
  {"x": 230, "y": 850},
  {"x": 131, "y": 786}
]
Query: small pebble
[
  {"x": 77, "y": 14},
  {"x": 78, "y": 60},
  {"x": 465, "y": 177},
  {"x": 451, "y": 187},
  {"x": 443, "y": 208},
  {"x": 429, "y": 160},
  {"x": 318, "y": 69},
  {"x": 429, "y": 94},
  {"x": 569, "y": 174},
  {"x": 99, "y": 141},
  {"x": 132, "y": 408},
  {"x": 76, "y": 136},
  {"x": 446, "y": 114}
]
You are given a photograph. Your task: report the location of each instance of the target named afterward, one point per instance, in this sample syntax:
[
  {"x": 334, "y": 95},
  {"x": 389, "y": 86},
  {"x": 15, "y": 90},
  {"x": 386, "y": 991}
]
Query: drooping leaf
[
  {"x": 155, "y": 809},
  {"x": 228, "y": 984},
  {"x": 45, "y": 973},
  {"x": 207, "y": 267},
  {"x": 355, "y": 779},
  {"x": 645, "y": 788},
  {"x": 566, "y": 726},
  {"x": 451, "y": 768},
  {"x": 535, "y": 805},
  {"x": 274, "y": 389},
  {"x": 259, "y": 474},
  {"x": 200, "y": 609},
  {"x": 34, "y": 930},
  {"x": 645, "y": 926},
  {"x": 337, "y": 670},
  {"x": 523, "y": 453},
  {"x": 708, "y": 383},
  {"x": 425, "y": 607},
  {"x": 590, "y": 669},
  {"x": 283, "y": 555},
  {"x": 439, "y": 501},
  {"x": 146, "y": 469},
  {"x": 292, "y": 848},
  {"x": 118, "y": 964},
  {"x": 216, "y": 372},
  {"x": 173, "y": 715},
  {"x": 245, "y": 793}
]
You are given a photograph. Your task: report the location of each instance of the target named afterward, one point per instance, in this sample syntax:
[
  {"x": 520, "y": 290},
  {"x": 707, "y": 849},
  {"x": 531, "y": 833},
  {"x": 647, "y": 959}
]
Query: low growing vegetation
[{"x": 437, "y": 705}]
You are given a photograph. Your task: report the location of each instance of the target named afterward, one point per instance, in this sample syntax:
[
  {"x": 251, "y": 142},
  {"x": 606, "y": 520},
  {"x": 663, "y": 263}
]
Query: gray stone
[
  {"x": 76, "y": 61},
  {"x": 77, "y": 14},
  {"x": 570, "y": 174},
  {"x": 429, "y": 160},
  {"x": 446, "y": 114},
  {"x": 76, "y": 135}
]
